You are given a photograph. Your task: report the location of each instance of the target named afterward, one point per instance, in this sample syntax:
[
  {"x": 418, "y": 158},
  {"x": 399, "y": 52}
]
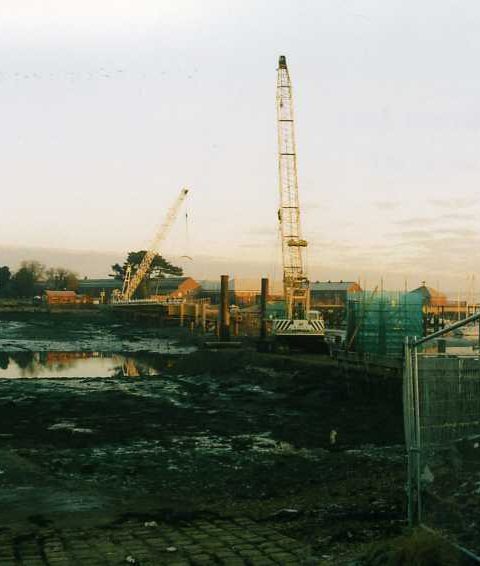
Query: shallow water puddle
[{"x": 72, "y": 364}]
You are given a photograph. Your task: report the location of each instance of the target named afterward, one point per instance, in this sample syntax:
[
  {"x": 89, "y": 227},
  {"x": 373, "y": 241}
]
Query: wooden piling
[
  {"x": 224, "y": 309},
  {"x": 263, "y": 308}
]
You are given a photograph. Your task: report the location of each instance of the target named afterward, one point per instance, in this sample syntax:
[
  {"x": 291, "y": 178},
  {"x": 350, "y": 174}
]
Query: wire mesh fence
[
  {"x": 378, "y": 322},
  {"x": 442, "y": 428}
]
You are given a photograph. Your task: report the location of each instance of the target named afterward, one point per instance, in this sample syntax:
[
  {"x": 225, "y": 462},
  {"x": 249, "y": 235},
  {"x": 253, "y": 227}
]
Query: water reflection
[{"x": 74, "y": 364}]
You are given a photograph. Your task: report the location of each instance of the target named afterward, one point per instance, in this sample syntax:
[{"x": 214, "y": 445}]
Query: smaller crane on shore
[{"x": 133, "y": 280}]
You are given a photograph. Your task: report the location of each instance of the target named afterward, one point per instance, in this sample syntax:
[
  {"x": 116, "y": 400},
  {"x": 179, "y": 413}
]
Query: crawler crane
[
  {"x": 133, "y": 280},
  {"x": 300, "y": 324}
]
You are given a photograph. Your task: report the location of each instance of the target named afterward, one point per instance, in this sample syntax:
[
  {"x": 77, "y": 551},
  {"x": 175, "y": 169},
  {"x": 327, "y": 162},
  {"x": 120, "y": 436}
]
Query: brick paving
[{"x": 235, "y": 542}]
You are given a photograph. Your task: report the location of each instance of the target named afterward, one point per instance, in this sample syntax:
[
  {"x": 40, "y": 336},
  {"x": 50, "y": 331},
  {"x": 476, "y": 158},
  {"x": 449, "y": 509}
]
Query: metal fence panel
[{"x": 442, "y": 429}]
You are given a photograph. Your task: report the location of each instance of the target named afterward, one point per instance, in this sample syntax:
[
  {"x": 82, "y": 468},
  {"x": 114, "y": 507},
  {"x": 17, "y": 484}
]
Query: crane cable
[{"x": 187, "y": 234}]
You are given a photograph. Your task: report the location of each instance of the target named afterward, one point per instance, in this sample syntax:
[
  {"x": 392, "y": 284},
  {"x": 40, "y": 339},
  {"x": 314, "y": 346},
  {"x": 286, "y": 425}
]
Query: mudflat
[{"x": 201, "y": 440}]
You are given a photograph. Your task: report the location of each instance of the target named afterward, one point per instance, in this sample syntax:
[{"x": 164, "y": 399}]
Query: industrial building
[
  {"x": 430, "y": 296},
  {"x": 331, "y": 298},
  {"x": 60, "y": 297},
  {"x": 173, "y": 288},
  {"x": 332, "y": 294},
  {"x": 99, "y": 288}
]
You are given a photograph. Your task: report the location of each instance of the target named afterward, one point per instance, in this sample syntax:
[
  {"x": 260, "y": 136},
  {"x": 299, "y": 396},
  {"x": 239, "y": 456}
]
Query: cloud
[
  {"x": 415, "y": 234},
  {"x": 462, "y": 216},
  {"x": 455, "y": 203},
  {"x": 387, "y": 204},
  {"x": 267, "y": 230},
  {"x": 462, "y": 232},
  {"x": 416, "y": 221}
]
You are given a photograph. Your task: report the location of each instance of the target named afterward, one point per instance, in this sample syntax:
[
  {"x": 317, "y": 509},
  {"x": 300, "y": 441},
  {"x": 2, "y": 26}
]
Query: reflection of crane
[
  {"x": 132, "y": 281},
  {"x": 129, "y": 368},
  {"x": 295, "y": 282}
]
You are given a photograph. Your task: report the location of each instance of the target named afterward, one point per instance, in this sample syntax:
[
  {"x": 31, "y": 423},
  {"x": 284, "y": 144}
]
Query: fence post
[
  {"x": 412, "y": 431},
  {"x": 418, "y": 440},
  {"x": 408, "y": 416}
]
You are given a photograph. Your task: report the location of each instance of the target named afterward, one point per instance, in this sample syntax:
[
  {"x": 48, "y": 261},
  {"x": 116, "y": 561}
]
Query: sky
[{"x": 109, "y": 107}]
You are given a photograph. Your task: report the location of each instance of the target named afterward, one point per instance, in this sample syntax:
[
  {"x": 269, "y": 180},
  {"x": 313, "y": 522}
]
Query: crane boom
[
  {"x": 134, "y": 280},
  {"x": 295, "y": 282}
]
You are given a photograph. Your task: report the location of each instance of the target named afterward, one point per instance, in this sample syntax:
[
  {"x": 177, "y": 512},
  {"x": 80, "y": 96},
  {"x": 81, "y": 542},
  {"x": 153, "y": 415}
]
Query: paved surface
[{"x": 228, "y": 542}]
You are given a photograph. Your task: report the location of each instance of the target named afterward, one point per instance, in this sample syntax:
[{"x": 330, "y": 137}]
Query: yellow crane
[
  {"x": 132, "y": 281},
  {"x": 299, "y": 320}
]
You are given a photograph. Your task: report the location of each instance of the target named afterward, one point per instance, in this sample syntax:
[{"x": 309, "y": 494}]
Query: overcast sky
[{"x": 109, "y": 107}]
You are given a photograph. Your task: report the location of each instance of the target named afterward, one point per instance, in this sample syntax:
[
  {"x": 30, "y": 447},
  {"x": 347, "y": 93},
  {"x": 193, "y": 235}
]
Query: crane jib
[
  {"x": 293, "y": 244},
  {"x": 132, "y": 282}
]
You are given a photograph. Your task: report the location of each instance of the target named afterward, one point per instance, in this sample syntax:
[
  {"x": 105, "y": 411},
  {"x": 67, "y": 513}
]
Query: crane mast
[
  {"x": 295, "y": 281},
  {"x": 133, "y": 281}
]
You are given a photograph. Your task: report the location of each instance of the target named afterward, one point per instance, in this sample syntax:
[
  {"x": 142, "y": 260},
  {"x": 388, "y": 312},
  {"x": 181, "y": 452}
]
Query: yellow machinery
[
  {"x": 299, "y": 320},
  {"x": 132, "y": 281}
]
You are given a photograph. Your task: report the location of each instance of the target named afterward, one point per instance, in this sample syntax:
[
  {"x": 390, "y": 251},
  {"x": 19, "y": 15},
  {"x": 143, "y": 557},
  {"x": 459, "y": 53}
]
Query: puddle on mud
[{"x": 72, "y": 364}]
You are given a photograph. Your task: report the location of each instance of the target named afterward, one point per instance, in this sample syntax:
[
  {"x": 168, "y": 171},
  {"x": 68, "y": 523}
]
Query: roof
[
  {"x": 169, "y": 283},
  {"x": 335, "y": 286},
  {"x": 109, "y": 283},
  {"x": 429, "y": 291},
  {"x": 50, "y": 293},
  {"x": 430, "y": 294}
]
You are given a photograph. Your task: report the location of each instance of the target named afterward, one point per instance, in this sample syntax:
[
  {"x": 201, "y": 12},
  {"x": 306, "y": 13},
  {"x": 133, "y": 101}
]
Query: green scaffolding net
[{"x": 377, "y": 323}]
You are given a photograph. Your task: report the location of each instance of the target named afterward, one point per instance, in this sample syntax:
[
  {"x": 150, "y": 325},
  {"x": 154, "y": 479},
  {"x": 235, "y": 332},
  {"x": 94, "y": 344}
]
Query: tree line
[{"x": 22, "y": 283}]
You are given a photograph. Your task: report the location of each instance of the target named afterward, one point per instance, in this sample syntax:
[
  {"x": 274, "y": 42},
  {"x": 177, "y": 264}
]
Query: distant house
[
  {"x": 332, "y": 294},
  {"x": 173, "y": 287},
  {"x": 60, "y": 297},
  {"x": 430, "y": 296},
  {"x": 331, "y": 299},
  {"x": 97, "y": 288}
]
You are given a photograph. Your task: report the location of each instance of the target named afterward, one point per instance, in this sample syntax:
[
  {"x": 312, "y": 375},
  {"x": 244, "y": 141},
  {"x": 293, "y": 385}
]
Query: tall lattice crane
[
  {"x": 295, "y": 282},
  {"x": 132, "y": 281}
]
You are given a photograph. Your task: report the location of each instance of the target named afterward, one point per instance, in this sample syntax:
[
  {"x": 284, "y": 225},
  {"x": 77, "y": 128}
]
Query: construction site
[{"x": 164, "y": 420}]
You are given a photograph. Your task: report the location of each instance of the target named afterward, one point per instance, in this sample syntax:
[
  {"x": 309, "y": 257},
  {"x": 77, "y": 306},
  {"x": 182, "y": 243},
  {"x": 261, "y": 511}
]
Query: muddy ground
[{"x": 215, "y": 435}]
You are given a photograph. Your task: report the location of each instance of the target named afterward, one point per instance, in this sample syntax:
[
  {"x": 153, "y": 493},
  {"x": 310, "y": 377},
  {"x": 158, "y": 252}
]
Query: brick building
[{"x": 173, "y": 288}]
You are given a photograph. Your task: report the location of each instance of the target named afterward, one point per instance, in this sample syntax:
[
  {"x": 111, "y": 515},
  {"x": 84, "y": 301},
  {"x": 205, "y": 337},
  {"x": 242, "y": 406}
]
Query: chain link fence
[{"x": 442, "y": 430}]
